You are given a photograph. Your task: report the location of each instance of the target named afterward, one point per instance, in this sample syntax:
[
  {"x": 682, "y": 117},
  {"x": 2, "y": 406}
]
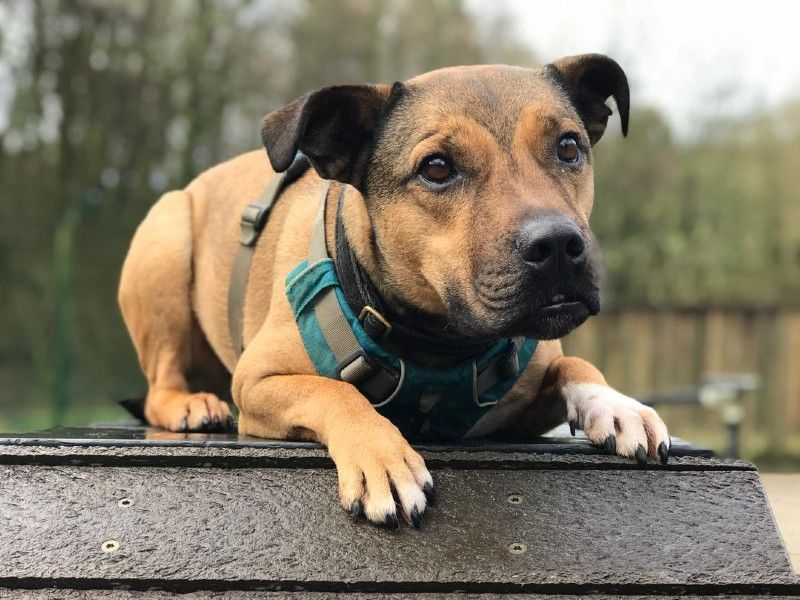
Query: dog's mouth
[
  {"x": 541, "y": 317},
  {"x": 556, "y": 318},
  {"x": 559, "y": 303}
]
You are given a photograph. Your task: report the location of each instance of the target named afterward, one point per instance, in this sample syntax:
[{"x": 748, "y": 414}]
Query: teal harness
[{"x": 422, "y": 402}]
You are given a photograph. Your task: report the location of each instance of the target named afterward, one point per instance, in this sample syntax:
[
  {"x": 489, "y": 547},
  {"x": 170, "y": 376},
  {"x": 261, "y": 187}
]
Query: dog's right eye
[{"x": 436, "y": 169}]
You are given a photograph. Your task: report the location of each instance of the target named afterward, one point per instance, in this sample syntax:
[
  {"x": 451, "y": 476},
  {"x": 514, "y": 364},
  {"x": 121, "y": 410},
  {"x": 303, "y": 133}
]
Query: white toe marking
[
  {"x": 594, "y": 406},
  {"x": 581, "y": 397},
  {"x": 377, "y": 510},
  {"x": 411, "y": 497}
]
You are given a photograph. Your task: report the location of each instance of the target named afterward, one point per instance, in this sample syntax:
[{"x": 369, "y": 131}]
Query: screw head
[
  {"x": 109, "y": 546},
  {"x": 517, "y": 548},
  {"x": 514, "y": 499},
  {"x": 124, "y": 502}
]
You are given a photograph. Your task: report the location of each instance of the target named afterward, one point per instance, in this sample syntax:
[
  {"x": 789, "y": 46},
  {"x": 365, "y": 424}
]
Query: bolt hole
[
  {"x": 125, "y": 502},
  {"x": 109, "y": 546},
  {"x": 514, "y": 499},
  {"x": 517, "y": 548}
]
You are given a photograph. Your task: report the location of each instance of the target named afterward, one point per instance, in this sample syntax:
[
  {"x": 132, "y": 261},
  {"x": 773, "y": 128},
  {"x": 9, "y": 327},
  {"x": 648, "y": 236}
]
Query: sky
[{"x": 692, "y": 59}]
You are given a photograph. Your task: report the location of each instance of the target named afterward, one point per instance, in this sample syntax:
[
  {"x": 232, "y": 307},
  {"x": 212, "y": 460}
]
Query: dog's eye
[
  {"x": 437, "y": 169},
  {"x": 568, "y": 150}
]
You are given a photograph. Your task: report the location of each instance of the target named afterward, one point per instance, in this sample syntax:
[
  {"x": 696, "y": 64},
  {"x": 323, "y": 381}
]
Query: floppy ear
[
  {"x": 333, "y": 127},
  {"x": 589, "y": 80}
]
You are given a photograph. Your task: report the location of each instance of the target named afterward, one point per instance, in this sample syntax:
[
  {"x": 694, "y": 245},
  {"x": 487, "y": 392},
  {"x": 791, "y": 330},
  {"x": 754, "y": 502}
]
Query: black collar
[{"x": 388, "y": 326}]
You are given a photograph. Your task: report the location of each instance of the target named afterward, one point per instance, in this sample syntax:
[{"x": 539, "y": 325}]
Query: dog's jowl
[{"x": 398, "y": 265}]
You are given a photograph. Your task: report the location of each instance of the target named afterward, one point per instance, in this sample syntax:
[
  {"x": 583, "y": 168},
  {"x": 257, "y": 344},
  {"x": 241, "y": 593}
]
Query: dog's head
[{"x": 477, "y": 186}]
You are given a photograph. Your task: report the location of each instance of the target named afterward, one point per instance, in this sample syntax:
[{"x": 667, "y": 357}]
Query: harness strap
[
  {"x": 254, "y": 218},
  {"x": 376, "y": 380}
]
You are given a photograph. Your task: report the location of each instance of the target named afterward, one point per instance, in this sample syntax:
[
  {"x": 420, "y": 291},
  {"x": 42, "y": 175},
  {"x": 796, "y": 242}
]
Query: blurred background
[{"x": 105, "y": 104}]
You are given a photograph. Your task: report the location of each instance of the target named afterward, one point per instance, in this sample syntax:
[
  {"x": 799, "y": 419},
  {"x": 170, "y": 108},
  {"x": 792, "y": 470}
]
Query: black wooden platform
[{"x": 90, "y": 512}]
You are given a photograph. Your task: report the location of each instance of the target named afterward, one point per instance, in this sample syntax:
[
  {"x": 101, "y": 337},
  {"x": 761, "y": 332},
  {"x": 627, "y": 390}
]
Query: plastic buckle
[
  {"x": 356, "y": 368},
  {"x": 379, "y": 383},
  {"x": 377, "y": 318},
  {"x": 254, "y": 217}
]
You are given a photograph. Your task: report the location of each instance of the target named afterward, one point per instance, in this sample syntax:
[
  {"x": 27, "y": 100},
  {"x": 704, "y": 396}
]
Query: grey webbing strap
[
  {"x": 376, "y": 381},
  {"x": 254, "y": 217},
  {"x": 501, "y": 368},
  {"x": 334, "y": 325},
  {"x": 317, "y": 246}
]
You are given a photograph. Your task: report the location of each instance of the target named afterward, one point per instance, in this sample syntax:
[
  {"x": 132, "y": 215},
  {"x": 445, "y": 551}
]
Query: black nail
[
  {"x": 610, "y": 445},
  {"x": 356, "y": 509},
  {"x": 230, "y": 423},
  {"x": 663, "y": 452},
  {"x": 572, "y": 427},
  {"x": 391, "y": 521},
  {"x": 184, "y": 425},
  {"x": 415, "y": 520},
  {"x": 641, "y": 455},
  {"x": 215, "y": 422},
  {"x": 430, "y": 494},
  {"x": 203, "y": 422}
]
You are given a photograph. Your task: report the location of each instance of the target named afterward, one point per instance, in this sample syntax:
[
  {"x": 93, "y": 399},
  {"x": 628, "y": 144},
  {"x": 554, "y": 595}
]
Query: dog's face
[{"x": 478, "y": 186}]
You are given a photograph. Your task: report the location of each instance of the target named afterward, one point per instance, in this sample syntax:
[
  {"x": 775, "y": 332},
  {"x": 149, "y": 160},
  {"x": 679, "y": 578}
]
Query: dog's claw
[
  {"x": 415, "y": 519},
  {"x": 357, "y": 509},
  {"x": 430, "y": 494},
  {"x": 203, "y": 423},
  {"x": 663, "y": 452},
  {"x": 229, "y": 423},
  {"x": 184, "y": 425},
  {"x": 572, "y": 428},
  {"x": 610, "y": 445},
  {"x": 641, "y": 455},
  {"x": 391, "y": 521}
]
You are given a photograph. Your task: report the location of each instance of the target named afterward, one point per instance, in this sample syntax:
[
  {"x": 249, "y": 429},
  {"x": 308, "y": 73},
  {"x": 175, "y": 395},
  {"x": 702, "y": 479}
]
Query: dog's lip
[{"x": 564, "y": 306}]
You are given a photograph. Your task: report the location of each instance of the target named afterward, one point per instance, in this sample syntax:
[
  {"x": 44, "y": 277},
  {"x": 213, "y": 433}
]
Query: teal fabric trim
[{"x": 456, "y": 410}]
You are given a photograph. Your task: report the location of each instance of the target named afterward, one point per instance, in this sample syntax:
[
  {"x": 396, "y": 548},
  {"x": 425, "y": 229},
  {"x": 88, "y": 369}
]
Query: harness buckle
[
  {"x": 254, "y": 217},
  {"x": 374, "y": 323},
  {"x": 372, "y": 377}
]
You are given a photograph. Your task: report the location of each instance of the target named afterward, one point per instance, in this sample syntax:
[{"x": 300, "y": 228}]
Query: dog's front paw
[
  {"x": 380, "y": 476},
  {"x": 616, "y": 422},
  {"x": 184, "y": 412}
]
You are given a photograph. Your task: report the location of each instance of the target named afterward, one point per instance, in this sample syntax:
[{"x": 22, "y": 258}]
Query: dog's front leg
[
  {"x": 372, "y": 458},
  {"x": 610, "y": 419}
]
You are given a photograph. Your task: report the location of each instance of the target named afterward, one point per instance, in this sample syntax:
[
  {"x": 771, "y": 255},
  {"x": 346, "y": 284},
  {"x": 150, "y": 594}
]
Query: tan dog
[{"x": 467, "y": 198}]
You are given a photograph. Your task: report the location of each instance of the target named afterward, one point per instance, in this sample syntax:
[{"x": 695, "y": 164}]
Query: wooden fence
[{"x": 649, "y": 350}]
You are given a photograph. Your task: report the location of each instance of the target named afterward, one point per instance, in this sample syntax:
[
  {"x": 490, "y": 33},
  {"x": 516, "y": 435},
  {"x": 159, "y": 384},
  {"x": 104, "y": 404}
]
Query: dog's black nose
[{"x": 547, "y": 241}]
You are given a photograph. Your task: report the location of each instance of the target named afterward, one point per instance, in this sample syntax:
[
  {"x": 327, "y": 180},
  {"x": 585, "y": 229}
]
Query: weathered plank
[
  {"x": 57, "y": 594},
  {"x": 252, "y": 514},
  {"x": 139, "y": 446},
  {"x": 282, "y": 526}
]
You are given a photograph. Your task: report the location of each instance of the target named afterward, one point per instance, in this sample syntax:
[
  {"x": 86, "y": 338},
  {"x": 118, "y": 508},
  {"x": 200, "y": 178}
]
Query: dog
[{"x": 456, "y": 208}]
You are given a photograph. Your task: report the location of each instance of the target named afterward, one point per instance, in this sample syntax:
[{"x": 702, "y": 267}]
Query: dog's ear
[
  {"x": 333, "y": 127},
  {"x": 589, "y": 80}
]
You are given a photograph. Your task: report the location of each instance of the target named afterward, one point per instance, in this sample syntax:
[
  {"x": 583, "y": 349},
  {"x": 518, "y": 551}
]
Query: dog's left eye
[
  {"x": 568, "y": 150},
  {"x": 436, "y": 169}
]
